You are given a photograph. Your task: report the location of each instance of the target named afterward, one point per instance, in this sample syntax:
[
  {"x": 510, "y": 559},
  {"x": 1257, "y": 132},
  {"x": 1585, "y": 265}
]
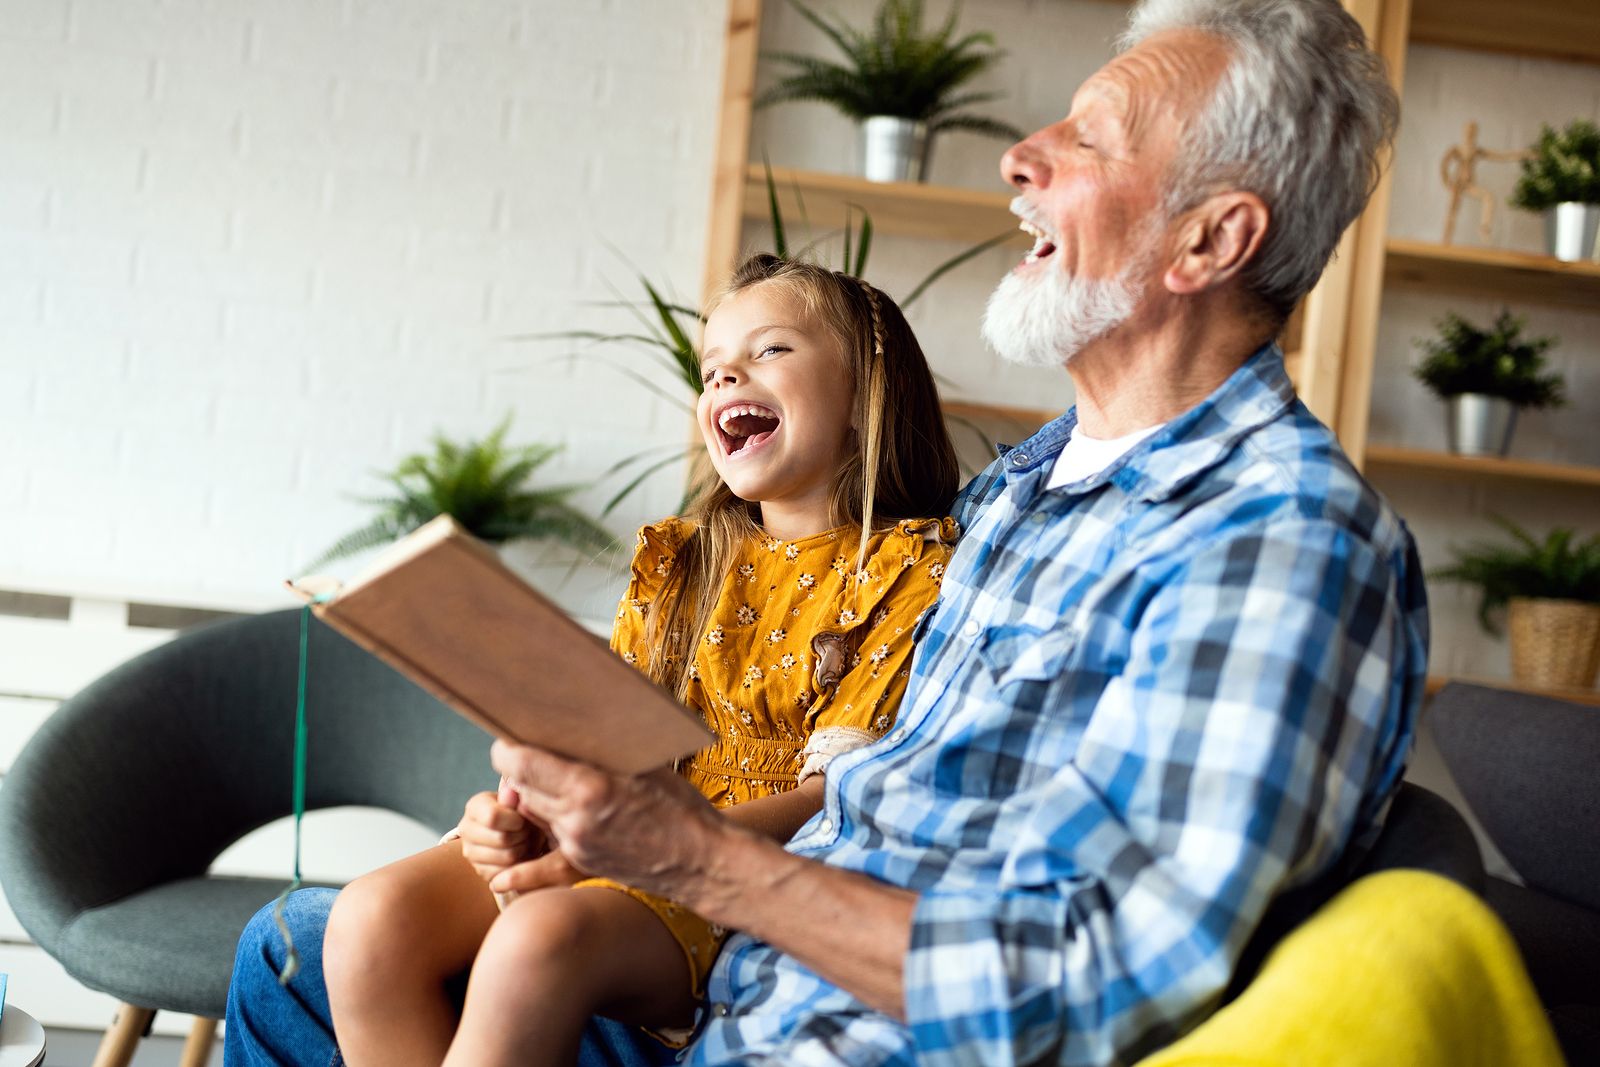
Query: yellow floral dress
[{"x": 803, "y": 659}]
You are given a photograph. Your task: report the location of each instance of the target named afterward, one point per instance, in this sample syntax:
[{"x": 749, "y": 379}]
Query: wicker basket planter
[{"x": 1554, "y": 642}]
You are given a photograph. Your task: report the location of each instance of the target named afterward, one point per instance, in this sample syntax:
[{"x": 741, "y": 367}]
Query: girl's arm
[{"x": 779, "y": 816}]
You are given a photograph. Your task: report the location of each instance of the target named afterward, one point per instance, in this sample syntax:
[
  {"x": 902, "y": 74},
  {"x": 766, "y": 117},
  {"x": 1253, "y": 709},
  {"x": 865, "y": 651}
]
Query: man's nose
[{"x": 1024, "y": 164}]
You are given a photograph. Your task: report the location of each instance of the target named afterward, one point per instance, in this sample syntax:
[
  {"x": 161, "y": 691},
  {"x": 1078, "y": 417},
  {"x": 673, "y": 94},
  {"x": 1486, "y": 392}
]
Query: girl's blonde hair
[{"x": 903, "y": 467}]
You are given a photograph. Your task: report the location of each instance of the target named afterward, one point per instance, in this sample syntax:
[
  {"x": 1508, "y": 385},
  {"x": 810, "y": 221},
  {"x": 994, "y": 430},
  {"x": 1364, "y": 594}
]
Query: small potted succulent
[
  {"x": 898, "y": 81},
  {"x": 1486, "y": 377},
  {"x": 483, "y": 485},
  {"x": 1550, "y": 591},
  {"x": 1561, "y": 178}
]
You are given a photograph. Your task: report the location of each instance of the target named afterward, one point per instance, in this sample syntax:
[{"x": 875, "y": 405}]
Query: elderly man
[{"x": 1176, "y": 663}]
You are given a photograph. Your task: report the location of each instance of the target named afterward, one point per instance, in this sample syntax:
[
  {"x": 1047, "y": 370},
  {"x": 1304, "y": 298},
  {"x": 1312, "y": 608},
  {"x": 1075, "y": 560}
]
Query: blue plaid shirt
[{"x": 1145, "y": 704}]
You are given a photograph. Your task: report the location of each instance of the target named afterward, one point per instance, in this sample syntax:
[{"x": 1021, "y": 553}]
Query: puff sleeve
[{"x": 653, "y": 557}]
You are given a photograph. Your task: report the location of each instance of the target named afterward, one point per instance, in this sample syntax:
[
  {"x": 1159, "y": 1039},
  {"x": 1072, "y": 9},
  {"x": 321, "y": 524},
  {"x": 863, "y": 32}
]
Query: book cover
[{"x": 441, "y": 608}]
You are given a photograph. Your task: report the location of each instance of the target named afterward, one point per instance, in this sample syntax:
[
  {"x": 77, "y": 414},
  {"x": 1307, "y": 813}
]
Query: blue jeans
[{"x": 270, "y": 1025}]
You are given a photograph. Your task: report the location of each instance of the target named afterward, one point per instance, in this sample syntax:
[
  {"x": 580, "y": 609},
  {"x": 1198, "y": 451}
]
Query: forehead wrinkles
[{"x": 1170, "y": 77}]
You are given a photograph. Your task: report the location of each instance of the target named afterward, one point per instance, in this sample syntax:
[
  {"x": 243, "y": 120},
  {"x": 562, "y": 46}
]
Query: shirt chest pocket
[{"x": 1014, "y": 654}]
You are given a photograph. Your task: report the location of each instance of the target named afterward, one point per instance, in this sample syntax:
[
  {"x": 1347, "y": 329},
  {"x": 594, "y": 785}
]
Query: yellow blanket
[{"x": 1402, "y": 967}]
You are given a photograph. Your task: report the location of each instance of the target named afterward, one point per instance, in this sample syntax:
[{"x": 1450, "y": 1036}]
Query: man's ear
[{"x": 1216, "y": 241}]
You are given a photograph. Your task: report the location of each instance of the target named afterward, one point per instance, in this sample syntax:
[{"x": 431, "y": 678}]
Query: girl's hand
[{"x": 495, "y": 836}]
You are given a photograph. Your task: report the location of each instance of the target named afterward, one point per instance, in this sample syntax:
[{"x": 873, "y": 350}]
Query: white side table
[{"x": 21, "y": 1039}]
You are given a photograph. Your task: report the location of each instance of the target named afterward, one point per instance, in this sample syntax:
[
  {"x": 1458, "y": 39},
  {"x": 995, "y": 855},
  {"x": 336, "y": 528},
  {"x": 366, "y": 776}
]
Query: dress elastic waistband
[{"x": 755, "y": 759}]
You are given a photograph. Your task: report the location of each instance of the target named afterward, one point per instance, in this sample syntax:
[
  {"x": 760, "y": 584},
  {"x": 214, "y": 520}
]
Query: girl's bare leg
[
  {"x": 395, "y": 938},
  {"x": 554, "y": 958}
]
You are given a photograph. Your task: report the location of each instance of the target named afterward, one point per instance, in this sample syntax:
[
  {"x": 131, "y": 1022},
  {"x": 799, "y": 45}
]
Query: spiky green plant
[
  {"x": 1495, "y": 362},
  {"x": 1564, "y": 168},
  {"x": 1559, "y": 568},
  {"x": 896, "y": 69},
  {"x": 483, "y": 485}
]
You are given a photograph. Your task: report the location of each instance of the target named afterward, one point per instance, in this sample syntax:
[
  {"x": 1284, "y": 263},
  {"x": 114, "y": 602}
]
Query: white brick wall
[{"x": 255, "y": 250}]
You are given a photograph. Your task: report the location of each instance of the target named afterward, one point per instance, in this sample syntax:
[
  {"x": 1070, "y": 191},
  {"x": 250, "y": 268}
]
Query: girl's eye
[{"x": 773, "y": 348}]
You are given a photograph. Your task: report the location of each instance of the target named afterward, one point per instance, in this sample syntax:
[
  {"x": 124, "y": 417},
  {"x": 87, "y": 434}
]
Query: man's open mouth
[
  {"x": 1042, "y": 244},
  {"x": 745, "y": 427}
]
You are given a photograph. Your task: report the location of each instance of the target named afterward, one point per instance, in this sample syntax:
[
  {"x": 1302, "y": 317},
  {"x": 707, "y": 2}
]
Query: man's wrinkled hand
[
  {"x": 549, "y": 870},
  {"x": 650, "y": 831}
]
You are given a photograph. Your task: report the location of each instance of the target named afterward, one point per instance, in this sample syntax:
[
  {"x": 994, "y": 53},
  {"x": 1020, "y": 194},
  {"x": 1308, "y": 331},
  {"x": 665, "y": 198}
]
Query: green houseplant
[
  {"x": 1561, "y": 178},
  {"x": 1550, "y": 590},
  {"x": 1486, "y": 377},
  {"x": 485, "y": 486},
  {"x": 899, "y": 81}
]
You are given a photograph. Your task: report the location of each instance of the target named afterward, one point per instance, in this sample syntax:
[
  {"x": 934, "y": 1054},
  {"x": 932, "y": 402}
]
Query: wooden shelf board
[
  {"x": 1580, "y": 696},
  {"x": 906, "y": 208},
  {"x": 1391, "y": 457},
  {"x": 1492, "y": 272},
  {"x": 1030, "y": 417},
  {"x": 1551, "y": 29}
]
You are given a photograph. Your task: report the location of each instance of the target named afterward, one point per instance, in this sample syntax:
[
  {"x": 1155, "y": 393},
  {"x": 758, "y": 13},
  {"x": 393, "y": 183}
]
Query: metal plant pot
[
  {"x": 1480, "y": 425},
  {"x": 1569, "y": 231},
  {"x": 894, "y": 149}
]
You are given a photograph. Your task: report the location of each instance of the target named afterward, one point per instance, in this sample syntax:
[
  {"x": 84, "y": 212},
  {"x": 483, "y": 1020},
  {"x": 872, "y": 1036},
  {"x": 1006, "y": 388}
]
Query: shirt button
[
  {"x": 827, "y": 826},
  {"x": 971, "y": 628},
  {"x": 1039, "y": 518},
  {"x": 719, "y": 1010},
  {"x": 1018, "y": 458},
  {"x": 897, "y": 737}
]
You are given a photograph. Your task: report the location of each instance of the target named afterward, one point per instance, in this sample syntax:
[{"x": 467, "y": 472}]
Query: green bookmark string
[{"x": 291, "y": 962}]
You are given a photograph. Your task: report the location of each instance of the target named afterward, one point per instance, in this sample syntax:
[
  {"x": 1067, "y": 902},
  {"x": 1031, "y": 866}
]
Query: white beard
[{"x": 1046, "y": 318}]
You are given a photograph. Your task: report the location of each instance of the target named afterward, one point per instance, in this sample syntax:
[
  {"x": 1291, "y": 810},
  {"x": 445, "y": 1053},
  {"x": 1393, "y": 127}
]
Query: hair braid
[
  {"x": 875, "y": 306},
  {"x": 871, "y": 390}
]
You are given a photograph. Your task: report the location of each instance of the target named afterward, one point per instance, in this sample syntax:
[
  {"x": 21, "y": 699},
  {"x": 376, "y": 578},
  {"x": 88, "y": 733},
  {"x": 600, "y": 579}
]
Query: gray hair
[{"x": 1300, "y": 118}]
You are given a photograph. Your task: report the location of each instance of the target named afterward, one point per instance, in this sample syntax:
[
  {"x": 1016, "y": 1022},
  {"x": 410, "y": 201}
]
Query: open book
[{"x": 440, "y": 608}]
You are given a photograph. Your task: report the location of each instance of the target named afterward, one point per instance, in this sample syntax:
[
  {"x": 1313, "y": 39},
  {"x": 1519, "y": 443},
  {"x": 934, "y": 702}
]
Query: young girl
[{"x": 780, "y": 607}]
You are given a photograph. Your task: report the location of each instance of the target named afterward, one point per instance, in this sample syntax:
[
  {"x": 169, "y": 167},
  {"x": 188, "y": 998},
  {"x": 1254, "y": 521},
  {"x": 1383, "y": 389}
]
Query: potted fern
[
  {"x": 1561, "y": 178},
  {"x": 483, "y": 485},
  {"x": 1486, "y": 377},
  {"x": 898, "y": 81},
  {"x": 1550, "y": 591}
]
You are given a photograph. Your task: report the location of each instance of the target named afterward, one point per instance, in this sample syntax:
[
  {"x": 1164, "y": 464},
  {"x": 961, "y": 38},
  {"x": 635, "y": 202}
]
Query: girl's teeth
[{"x": 742, "y": 409}]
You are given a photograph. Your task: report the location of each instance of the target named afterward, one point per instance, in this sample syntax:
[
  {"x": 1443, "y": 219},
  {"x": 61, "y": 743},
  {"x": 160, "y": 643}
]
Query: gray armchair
[{"x": 114, "y": 811}]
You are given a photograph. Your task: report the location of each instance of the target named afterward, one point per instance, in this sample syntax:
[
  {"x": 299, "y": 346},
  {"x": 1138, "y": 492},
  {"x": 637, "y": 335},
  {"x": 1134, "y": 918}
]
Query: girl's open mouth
[{"x": 744, "y": 428}]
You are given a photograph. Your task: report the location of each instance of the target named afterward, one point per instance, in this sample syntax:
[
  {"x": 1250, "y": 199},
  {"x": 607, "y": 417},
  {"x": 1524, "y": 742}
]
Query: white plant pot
[
  {"x": 894, "y": 149},
  {"x": 1569, "y": 231},
  {"x": 1479, "y": 425}
]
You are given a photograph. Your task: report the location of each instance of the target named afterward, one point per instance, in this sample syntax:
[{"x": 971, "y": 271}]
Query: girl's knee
[
  {"x": 550, "y": 928},
  {"x": 373, "y": 919}
]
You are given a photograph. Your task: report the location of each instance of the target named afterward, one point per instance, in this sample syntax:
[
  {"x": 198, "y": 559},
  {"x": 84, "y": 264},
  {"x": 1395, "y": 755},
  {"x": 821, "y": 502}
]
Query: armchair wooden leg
[
  {"x": 202, "y": 1040},
  {"x": 122, "y": 1037}
]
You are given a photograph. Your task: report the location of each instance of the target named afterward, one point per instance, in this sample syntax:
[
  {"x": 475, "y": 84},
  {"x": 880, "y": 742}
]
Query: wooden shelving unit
[
  {"x": 1493, "y": 272},
  {"x": 1390, "y": 458},
  {"x": 1551, "y": 29}
]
